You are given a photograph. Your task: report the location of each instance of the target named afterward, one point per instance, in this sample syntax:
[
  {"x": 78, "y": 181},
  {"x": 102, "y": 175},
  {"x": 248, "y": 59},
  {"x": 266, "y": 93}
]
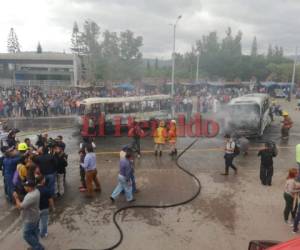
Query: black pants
[
  {"x": 289, "y": 202},
  {"x": 229, "y": 162},
  {"x": 266, "y": 174}
]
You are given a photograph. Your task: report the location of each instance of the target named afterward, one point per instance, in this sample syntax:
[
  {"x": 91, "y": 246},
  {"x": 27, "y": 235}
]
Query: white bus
[
  {"x": 248, "y": 115},
  {"x": 142, "y": 108}
]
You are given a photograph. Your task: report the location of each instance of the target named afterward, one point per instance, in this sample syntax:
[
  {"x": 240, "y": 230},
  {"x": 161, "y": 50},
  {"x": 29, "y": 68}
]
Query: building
[{"x": 46, "y": 68}]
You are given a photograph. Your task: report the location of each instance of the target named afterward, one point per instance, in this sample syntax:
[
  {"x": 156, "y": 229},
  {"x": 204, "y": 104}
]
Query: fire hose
[{"x": 194, "y": 196}]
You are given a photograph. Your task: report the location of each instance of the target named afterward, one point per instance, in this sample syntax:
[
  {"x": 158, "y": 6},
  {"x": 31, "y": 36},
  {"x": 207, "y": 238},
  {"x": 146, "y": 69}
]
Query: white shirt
[{"x": 229, "y": 149}]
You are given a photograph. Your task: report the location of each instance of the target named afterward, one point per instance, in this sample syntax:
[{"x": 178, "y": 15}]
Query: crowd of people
[{"x": 33, "y": 176}]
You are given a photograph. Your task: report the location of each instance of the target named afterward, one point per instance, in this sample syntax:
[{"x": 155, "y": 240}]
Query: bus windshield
[{"x": 245, "y": 112}]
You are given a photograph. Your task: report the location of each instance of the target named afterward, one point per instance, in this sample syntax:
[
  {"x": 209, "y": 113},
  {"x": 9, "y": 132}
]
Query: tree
[
  {"x": 130, "y": 55},
  {"x": 39, "y": 49},
  {"x": 90, "y": 47},
  {"x": 76, "y": 39},
  {"x": 110, "y": 56},
  {"x": 254, "y": 47},
  {"x": 270, "y": 52},
  {"x": 13, "y": 45}
]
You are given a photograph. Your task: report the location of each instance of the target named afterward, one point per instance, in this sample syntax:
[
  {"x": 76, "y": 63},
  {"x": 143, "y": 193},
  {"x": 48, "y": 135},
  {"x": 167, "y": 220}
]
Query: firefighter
[
  {"x": 160, "y": 136},
  {"x": 266, "y": 166},
  {"x": 172, "y": 137},
  {"x": 287, "y": 124}
]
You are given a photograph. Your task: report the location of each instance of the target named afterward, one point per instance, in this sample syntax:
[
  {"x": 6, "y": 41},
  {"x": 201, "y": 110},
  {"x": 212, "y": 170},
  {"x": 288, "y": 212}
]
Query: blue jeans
[
  {"x": 31, "y": 235},
  {"x": 132, "y": 179},
  {"x": 44, "y": 217},
  {"x": 50, "y": 182},
  {"x": 9, "y": 187},
  {"x": 123, "y": 185}
]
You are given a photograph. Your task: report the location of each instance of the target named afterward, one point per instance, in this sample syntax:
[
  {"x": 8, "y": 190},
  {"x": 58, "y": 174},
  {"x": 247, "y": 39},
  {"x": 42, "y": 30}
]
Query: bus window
[
  {"x": 114, "y": 108},
  {"x": 81, "y": 109}
]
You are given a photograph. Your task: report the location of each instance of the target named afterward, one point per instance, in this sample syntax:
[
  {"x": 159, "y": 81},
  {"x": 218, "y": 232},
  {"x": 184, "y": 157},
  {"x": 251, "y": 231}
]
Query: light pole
[
  {"x": 173, "y": 64},
  {"x": 294, "y": 74},
  {"x": 197, "y": 71}
]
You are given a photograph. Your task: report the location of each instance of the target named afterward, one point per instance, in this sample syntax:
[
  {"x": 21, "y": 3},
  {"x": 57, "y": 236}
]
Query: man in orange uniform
[
  {"x": 160, "y": 136},
  {"x": 172, "y": 137},
  {"x": 287, "y": 124}
]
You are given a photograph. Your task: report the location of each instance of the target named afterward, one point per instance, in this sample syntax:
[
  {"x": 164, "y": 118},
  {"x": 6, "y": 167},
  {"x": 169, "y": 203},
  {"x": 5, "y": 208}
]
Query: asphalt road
[{"x": 229, "y": 212}]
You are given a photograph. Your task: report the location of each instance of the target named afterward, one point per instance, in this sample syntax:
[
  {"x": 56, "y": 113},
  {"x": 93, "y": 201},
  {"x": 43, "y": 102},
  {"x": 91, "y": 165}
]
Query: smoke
[{"x": 237, "y": 118}]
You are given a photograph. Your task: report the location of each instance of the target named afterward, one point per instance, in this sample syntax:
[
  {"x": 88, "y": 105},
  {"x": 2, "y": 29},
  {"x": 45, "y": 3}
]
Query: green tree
[
  {"x": 39, "y": 49},
  {"x": 131, "y": 56},
  {"x": 254, "y": 47},
  {"x": 13, "y": 45},
  {"x": 91, "y": 48}
]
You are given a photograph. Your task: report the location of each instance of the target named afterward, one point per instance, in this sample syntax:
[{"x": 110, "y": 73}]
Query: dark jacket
[
  {"x": 60, "y": 163},
  {"x": 266, "y": 157},
  {"x": 46, "y": 164},
  {"x": 10, "y": 165}
]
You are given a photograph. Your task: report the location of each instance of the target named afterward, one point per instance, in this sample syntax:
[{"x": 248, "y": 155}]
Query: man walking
[
  {"x": 30, "y": 214},
  {"x": 229, "y": 154},
  {"x": 124, "y": 179},
  {"x": 90, "y": 168},
  {"x": 266, "y": 165}
]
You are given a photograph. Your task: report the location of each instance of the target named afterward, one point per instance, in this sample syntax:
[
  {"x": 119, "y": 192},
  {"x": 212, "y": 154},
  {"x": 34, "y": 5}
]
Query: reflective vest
[
  {"x": 172, "y": 134},
  {"x": 160, "y": 135}
]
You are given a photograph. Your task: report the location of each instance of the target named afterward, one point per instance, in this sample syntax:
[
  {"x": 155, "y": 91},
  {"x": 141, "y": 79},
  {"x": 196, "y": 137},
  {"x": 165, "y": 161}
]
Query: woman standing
[{"x": 290, "y": 195}]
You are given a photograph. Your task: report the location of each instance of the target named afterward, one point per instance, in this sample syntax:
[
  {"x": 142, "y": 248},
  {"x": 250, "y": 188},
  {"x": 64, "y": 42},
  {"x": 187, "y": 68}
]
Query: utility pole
[
  {"x": 197, "y": 71},
  {"x": 173, "y": 64},
  {"x": 294, "y": 74}
]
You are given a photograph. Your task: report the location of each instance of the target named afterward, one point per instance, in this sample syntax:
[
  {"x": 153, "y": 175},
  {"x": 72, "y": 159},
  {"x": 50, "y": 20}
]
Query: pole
[
  {"x": 294, "y": 73},
  {"x": 197, "y": 71},
  {"x": 173, "y": 62},
  {"x": 173, "y": 67}
]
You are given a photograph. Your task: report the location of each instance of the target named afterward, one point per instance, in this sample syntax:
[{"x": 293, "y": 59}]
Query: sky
[{"x": 50, "y": 22}]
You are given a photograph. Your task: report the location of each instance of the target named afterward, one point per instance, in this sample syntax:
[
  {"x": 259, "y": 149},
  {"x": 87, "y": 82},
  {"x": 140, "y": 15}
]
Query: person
[
  {"x": 10, "y": 161},
  {"x": 47, "y": 167},
  {"x": 290, "y": 195},
  {"x": 11, "y": 138},
  {"x": 46, "y": 201},
  {"x": 266, "y": 166},
  {"x": 82, "y": 153},
  {"x": 136, "y": 132},
  {"x": 29, "y": 144},
  {"x": 287, "y": 124},
  {"x": 61, "y": 162},
  {"x": 127, "y": 149},
  {"x": 160, "y": 136},
  {"x": 229, "y": 154},
  {"x": 30, "y": 214},
  {"x": 124, "y": 179},
  {"x": 90, "y": 168},
  {"x": 172, "y": 137},
  {"x": 60, "y": 140}
]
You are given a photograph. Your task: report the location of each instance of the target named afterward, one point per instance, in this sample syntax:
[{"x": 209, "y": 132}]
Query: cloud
[{"x": 51, "y": 21}]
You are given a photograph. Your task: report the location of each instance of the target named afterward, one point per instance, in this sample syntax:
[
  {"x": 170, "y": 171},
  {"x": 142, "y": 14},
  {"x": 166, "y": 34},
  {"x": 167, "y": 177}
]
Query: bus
[
  {"x": 248, "y": 115},
  {"x": 140, "y": 108}
]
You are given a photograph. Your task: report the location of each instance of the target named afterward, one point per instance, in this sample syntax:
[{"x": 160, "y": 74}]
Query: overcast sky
[{"x": 51, "y": 21}]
